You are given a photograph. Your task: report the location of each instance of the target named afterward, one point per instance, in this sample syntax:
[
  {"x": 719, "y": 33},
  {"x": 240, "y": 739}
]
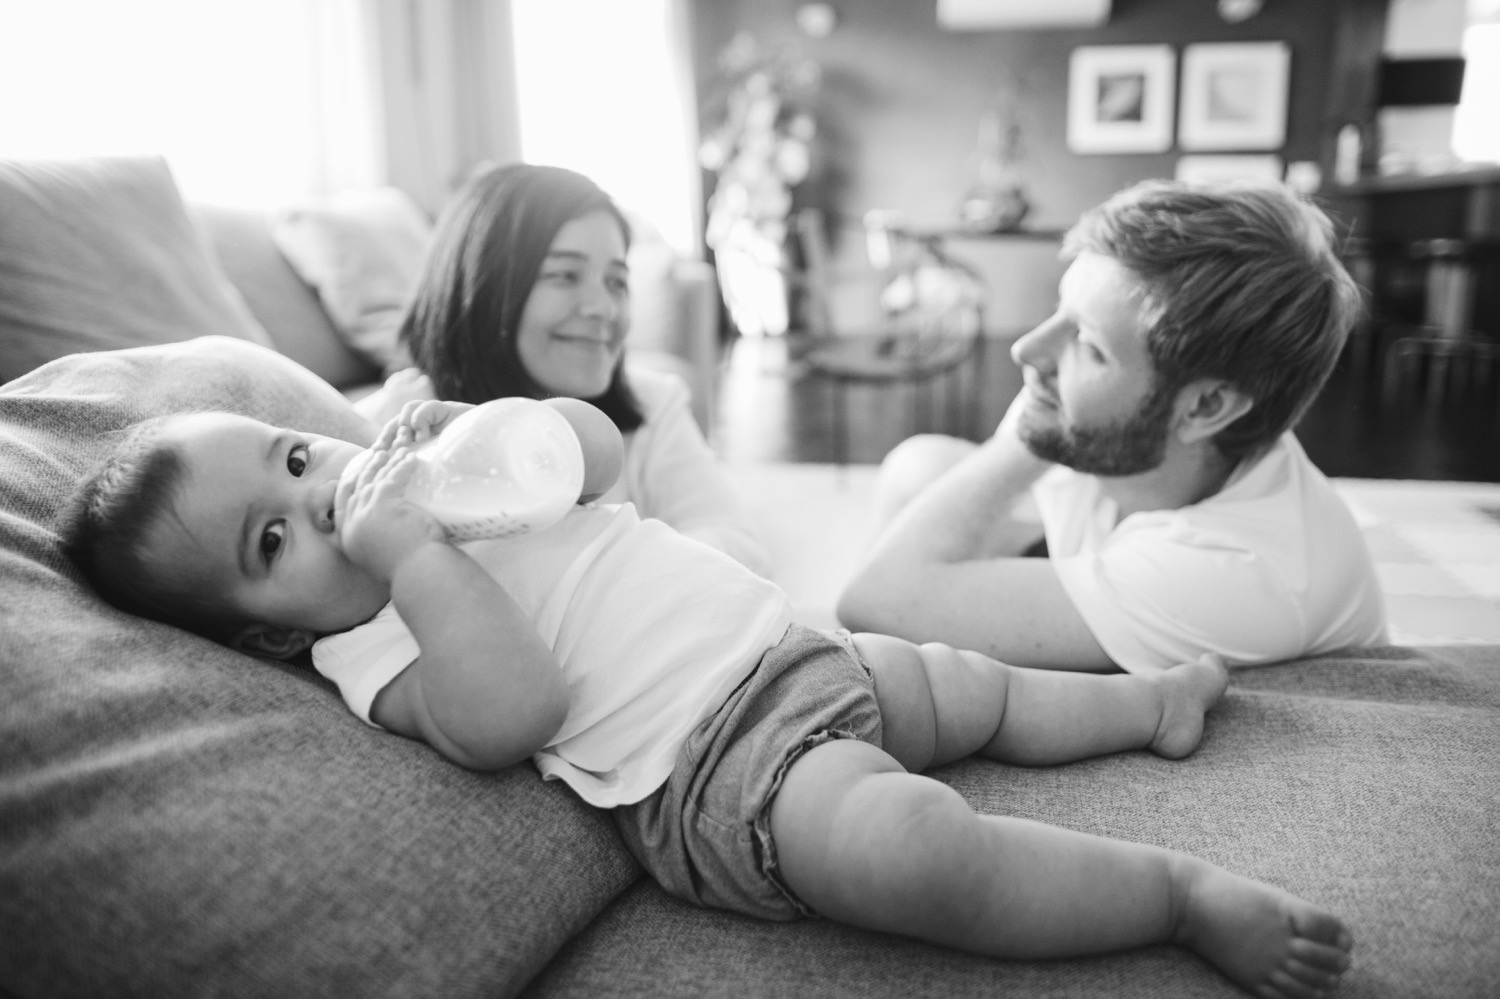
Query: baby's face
[{"x": 254, "y": 519}]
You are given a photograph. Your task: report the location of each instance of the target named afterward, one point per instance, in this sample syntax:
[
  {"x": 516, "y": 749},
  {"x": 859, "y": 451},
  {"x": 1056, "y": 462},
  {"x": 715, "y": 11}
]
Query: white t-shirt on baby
[
  {"x": 1271, "y": 567},
  {"x": 651, "y": 629}
]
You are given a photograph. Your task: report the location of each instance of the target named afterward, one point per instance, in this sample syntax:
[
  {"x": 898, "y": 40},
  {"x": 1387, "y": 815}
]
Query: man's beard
[{"x": 1130, "y": 446}]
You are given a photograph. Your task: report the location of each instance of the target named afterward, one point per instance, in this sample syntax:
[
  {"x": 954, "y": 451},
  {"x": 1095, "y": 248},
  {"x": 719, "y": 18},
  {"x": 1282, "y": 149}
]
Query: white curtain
[
  {"x": 605, "y": 87},
  {"x": 264, "y": 103},
  {"x": 447, "y": 92},
  {"x": 253, "y": 102}
]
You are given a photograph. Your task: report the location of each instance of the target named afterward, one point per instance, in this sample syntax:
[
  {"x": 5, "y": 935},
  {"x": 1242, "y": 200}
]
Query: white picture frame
[
  {"x": 1234, "y": 96},
  {"x": 1120, "y": 98}
]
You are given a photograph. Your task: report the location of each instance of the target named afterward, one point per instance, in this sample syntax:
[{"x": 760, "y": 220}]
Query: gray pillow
[
  {"x": 100, "y": 254},
  {"x": 179, "y": 819}
]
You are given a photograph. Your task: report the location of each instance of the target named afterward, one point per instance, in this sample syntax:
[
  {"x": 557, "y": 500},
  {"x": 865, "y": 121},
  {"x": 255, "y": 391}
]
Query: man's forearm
[{"x": 973, "y": 511}]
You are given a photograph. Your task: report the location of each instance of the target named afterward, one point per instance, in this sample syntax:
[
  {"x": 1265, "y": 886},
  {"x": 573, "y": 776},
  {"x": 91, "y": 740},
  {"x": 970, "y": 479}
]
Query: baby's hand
[
  {"x": 378, "y": 526},
  {"x": 418, "y": 421}
]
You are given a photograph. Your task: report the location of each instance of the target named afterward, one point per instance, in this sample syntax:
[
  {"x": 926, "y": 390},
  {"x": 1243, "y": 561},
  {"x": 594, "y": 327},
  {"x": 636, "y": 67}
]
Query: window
[
  {"x": 253, "y": 102},
  {"x": 1475, "y": 137},
  {"x": 611, "y": 102}
]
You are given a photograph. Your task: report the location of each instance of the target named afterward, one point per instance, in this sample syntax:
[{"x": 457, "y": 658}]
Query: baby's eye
[
  {"x": 270, "y": 541},
  {"x": 296, "y": 460},
  {"x": 618, "y": 285}
]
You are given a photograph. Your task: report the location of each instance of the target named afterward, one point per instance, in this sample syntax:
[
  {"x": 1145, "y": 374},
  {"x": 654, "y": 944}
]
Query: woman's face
[{"x": 573, "y": 327}]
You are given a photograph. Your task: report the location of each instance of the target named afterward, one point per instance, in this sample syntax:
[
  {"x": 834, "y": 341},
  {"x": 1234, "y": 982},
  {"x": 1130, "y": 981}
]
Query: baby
[{"x": 749, "y": 763}]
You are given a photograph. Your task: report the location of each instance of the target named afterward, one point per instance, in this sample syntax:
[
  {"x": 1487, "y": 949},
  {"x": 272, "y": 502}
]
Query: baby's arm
[{"x": 485, "y": 691}]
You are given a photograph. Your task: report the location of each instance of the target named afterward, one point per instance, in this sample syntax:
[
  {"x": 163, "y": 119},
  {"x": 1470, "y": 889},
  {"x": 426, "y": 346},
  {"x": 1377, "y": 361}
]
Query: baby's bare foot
[
  {"x": 1187, "y": 691},
  {"x": 1268, "y": 942}
]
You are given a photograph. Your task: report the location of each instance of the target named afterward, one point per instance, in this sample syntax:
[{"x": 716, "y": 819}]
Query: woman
[{"x": 526, "y": 292}]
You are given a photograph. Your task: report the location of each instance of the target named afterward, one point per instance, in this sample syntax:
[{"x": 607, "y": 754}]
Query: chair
[
  {"x": 929, "y": 321},
  {"x": 1445, "y": 339}
]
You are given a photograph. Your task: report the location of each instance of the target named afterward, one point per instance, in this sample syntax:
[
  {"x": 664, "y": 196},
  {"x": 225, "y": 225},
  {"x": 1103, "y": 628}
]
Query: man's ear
[
  {"x": 276, "y": 643},
  {"x": 1207, "y": 406}
]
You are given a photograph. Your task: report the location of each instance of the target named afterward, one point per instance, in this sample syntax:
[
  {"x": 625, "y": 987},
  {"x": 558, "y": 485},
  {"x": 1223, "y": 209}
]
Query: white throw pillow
[{"x": 362, "y": 252}]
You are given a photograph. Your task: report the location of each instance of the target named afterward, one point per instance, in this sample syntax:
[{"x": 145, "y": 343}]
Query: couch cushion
[
  {"x": 1367, "y": 782},
  {"x": 362, "y": 251},
  {"x": 284, "y": 304},
  {"x": 99, "y": 254},
  {"x": 176, "y": 818}
]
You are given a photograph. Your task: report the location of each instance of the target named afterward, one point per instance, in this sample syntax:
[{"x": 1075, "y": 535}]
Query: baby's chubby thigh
[{"x": 937, "y": 703}]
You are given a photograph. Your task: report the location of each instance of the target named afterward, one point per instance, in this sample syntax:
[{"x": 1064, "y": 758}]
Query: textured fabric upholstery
[
  {"x": 97, "y": 254},
  {"x": 178, "y": 819},
  {"x": 1369, "y": 783}
]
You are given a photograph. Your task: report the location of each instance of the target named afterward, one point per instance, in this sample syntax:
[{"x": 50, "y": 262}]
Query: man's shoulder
[{"x": 1282, "y": 472}]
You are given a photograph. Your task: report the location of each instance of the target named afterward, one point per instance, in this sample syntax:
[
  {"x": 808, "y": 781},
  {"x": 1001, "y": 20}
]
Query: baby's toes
[
  {"x": 1320, "y": 929},
  {"x": 1281, "y": 985},
  {"x": 1318, "y": 956},
  {"x": 1317, "y": 978}
]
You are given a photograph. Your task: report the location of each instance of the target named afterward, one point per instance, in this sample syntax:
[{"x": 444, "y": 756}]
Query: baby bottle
[{"x": 510, "y": 466}]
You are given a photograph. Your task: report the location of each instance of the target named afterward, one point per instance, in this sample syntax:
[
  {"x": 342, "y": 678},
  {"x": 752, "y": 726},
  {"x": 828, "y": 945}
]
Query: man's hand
[{"x": 949, "y": 566}]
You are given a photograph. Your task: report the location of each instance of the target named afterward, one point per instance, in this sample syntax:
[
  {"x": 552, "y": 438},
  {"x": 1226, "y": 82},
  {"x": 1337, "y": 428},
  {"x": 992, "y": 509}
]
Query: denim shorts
[{"x": 705, "y": 834}]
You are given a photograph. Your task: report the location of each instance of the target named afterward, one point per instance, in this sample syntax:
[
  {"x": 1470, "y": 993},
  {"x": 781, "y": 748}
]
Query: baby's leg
[
  {"x": 864, "y": 842},
  {"x": 939, "y": 704}
]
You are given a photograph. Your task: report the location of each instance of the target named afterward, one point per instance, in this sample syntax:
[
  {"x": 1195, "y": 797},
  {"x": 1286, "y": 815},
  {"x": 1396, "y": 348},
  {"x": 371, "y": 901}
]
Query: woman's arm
[{"x": 673, "y": 474}]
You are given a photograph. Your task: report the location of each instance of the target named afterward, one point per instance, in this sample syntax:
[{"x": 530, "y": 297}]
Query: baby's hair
[{"x": 106, "y": 527}]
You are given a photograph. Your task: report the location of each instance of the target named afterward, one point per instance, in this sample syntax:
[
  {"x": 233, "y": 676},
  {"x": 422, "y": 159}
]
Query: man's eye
[
  {"x": 296, "y": 460},
  {"x": 270, "y": 542}
]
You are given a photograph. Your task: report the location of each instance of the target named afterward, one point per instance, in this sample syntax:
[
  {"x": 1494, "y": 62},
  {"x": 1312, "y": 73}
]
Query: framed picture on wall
[
  {"x": 1120, "y": 98},
  {"x": 1234, "y": 96}
]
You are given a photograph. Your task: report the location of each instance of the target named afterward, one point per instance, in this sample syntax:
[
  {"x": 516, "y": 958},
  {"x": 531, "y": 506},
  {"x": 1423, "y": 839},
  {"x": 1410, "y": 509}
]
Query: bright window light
[
  {"x": 253, "y": 102},
  {"x": 1475, "y": 137},
  {"x": 609, "y": 102}
]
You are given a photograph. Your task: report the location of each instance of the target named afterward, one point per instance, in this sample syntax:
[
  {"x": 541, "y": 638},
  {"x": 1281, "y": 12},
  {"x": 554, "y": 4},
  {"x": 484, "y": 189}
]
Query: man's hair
[
  {"x": 1242, "y": 284},
  {"x": 106, "y": 527},
  {"x": 487, "y": 250}
]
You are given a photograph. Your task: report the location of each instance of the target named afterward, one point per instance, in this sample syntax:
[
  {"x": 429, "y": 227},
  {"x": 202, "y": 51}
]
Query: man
[{"x": 1195, "y": 325}]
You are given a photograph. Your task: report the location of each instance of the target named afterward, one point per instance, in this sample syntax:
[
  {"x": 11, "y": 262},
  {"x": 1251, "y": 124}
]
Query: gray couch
[{"x": 177, "y": 819}]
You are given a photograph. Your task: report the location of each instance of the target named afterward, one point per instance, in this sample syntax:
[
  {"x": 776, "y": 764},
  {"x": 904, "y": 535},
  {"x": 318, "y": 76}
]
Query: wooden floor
[{"x": 1360, "y": 427}]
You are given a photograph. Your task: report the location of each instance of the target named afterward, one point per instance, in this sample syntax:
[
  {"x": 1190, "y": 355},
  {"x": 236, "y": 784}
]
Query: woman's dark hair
[{"x": 487, "y": 251}]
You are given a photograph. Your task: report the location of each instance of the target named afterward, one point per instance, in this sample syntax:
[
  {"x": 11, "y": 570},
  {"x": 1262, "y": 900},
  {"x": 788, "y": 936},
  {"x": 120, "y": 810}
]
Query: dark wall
[{"x": 902, "y": 100}]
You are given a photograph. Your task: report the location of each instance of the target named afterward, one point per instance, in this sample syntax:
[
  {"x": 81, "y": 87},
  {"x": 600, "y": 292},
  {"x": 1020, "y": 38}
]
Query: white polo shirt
[{"x": 1271, "y": 567}]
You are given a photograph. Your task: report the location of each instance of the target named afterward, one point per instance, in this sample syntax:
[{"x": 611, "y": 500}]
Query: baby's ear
[{"x": 268, "y": 640}]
